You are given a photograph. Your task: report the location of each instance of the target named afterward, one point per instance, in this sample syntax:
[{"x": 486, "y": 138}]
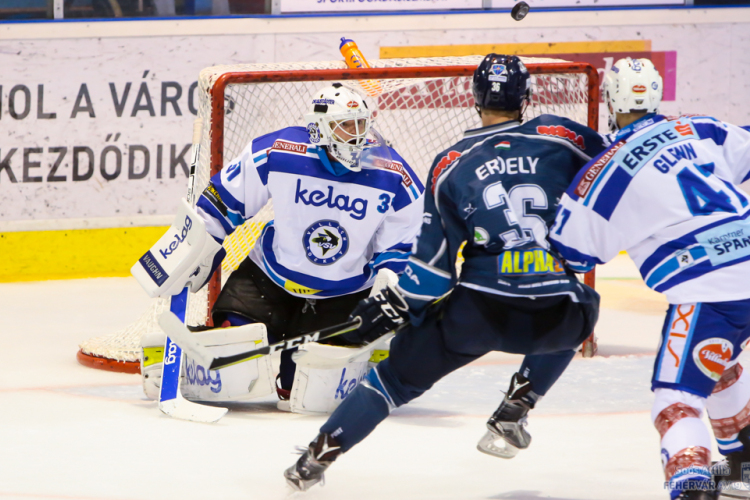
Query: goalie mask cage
[{"x": 420, "y": 105}]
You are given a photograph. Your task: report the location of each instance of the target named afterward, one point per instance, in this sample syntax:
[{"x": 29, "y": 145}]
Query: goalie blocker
[{"x": 185, "y": 256}]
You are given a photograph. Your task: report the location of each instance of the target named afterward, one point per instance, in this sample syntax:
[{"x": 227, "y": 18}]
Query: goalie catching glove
[
  {"x": 185, "y": 256},
  {"x": 383, "y": 312}
]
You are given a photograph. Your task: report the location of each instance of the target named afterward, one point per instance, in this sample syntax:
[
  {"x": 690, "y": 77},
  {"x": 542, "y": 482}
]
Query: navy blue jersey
[{"x": 497, "y": 190}]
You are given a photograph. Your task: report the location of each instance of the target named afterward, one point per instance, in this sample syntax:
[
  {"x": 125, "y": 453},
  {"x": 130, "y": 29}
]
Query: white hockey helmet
[
  {"x": 339, "y": 119},
  {"x": 632, "y": 85}
]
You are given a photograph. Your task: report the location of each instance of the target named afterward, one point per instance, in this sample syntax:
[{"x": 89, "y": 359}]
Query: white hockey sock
[
  {"x": 729, "y": 407},
  {"x": 685, "y": 440}
]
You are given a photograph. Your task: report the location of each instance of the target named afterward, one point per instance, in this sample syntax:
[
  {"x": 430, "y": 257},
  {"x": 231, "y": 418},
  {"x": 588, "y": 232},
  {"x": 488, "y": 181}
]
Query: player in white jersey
[
  {"x": 346, "y": 207},
  {"x": 667, "y": 192}
]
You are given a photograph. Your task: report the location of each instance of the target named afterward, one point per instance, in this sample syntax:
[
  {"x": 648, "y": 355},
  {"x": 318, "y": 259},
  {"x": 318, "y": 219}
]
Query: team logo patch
[
  {"x": 325, "y": 242},
  {"x": 498, "y": 73},
  {"x": 712, "y": 356},
  {"x": 314, "y": 132},
  {"x": 481, "y": 236},
  {"x": 654, "y": 85},
  {"x": 352, "y": 104},
  {"x": 744, "y": 344},
  {"x": 639, "y": 89}
]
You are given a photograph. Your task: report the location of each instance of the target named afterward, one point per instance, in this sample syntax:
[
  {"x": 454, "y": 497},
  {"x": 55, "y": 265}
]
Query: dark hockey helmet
[{"x": 502, "y": 83}]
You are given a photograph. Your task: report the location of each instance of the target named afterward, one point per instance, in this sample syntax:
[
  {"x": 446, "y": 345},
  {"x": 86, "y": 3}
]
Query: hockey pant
[
  {"x": 468, "y": 326},
  {"x": 697, "y": 367},
  {"x": 249, "y": 296}
]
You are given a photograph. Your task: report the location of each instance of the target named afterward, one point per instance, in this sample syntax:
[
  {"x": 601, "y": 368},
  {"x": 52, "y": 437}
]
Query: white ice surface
[{"x": 70, "y": 432}]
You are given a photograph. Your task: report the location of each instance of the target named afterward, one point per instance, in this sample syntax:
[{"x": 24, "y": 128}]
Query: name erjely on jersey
[
  {"x": 358, "y": 206},
  {"x": 508, "y": 166}
]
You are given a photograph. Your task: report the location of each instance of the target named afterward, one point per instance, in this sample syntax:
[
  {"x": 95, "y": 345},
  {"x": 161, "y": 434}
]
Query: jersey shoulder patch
[
  {"x": 286, "y": 138},
  {"x": 394, "y": 165},
  {"x": 444, "y": 160},
  {"x": 559, "y": 127}
]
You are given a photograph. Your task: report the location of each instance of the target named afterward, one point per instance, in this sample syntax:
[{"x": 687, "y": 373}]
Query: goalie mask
[
  {"x": 632, "y": 85},
  {"x": 340, "y": 120}
]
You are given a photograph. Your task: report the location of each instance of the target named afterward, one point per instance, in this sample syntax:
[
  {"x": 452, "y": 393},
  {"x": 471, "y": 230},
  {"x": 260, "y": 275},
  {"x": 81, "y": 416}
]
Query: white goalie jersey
[
  {"x": 667, "y": 192},
  {"x": 333, "y": 229}
]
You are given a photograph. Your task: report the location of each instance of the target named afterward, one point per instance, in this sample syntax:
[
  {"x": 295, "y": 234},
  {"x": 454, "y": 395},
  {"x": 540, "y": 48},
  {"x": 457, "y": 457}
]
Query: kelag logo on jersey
[
  {"x": 325, "y": 242},
  {"x": 357, "y": 206}
]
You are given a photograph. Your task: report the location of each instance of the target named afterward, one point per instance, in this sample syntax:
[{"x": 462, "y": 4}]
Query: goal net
[{"x": 421, "y": 106}]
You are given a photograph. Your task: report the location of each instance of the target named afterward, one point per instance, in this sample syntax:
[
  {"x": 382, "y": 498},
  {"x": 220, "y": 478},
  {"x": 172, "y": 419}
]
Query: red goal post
[{"x": 422, "y": 105}]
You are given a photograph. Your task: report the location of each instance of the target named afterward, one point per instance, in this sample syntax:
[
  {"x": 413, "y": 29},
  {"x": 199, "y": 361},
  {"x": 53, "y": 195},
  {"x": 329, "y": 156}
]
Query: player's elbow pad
[{"x": 185, "y": 256}]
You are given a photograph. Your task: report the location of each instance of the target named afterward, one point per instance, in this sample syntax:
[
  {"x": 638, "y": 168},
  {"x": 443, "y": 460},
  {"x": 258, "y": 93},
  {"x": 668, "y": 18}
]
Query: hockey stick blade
[
  {"x": 183, "y": 409},
  {"x": 177, "y": 331},
  {"x": 332, "y": 331}
]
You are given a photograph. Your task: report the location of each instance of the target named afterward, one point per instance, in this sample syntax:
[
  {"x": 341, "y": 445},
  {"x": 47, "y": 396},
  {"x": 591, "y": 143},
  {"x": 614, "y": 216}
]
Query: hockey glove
[{"x": 380, "y": 314}]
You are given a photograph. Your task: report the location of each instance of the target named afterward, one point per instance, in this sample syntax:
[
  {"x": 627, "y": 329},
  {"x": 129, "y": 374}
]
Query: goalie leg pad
[
  {"x": 321, "y": 390},
  {"x": 241, "y": 382}
]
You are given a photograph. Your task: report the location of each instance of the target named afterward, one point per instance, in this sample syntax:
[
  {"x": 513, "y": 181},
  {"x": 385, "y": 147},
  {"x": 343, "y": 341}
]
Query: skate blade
[
  {"x": 487, "y": 445},
  {"x": 297, "y": 483}
]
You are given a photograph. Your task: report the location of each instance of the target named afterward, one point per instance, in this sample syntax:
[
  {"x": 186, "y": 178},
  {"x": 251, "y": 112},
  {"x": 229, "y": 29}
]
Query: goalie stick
[
  {"x": 179, "y": 332},
  {"x": 171, "y": 401}
]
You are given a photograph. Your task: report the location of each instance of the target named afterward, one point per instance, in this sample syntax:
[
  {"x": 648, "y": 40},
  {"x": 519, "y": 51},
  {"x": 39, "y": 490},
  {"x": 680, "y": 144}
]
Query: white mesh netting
[{"x": 418, "y": 116}]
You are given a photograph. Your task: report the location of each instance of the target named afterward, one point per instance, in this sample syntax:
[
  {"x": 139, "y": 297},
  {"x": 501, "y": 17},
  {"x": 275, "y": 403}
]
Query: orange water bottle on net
[{"x": 354, "y": 59}]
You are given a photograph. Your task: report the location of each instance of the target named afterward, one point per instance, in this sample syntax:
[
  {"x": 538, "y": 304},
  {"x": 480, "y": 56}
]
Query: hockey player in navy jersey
[
  {"x": 496, "y": 190},
  {"x": 667, "y": 192},
  {"x": 346, "y": 208}
]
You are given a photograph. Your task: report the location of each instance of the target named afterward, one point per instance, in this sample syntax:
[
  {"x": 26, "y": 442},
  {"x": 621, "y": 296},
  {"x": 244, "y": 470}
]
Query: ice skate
[
  {"x": 506, "y": 433},
  {"x": 728, "y": 473},
  {"x": 315, "y": 459}
]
